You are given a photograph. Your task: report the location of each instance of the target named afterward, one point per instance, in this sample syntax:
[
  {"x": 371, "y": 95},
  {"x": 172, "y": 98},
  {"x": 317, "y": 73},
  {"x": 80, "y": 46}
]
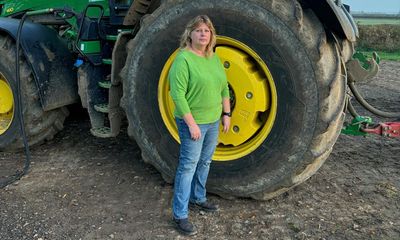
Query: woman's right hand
[
  {"x": 195, "y": 132},
  {"x": 194, "y": 129}
]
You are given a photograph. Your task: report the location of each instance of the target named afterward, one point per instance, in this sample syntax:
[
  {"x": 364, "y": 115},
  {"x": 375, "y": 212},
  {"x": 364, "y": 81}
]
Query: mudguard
[
  {"x": 336, "y": 17},
  {"x": 51, "y": 61}
]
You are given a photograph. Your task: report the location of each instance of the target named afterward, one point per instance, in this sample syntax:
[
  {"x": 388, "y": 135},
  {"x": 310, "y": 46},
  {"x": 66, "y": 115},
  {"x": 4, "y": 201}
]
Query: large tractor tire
[
  {"x": 287, "y": 84},
  {"x": 39, "y": 125}
]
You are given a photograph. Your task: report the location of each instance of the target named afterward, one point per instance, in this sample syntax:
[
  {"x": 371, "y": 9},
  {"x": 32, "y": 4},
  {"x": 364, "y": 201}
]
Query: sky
[{"x": 374, "y": 6}]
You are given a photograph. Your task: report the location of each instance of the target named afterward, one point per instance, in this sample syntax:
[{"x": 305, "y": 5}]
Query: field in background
[
  {"x": 377, "y": 21},
  {"x": 376, "y": 18}
]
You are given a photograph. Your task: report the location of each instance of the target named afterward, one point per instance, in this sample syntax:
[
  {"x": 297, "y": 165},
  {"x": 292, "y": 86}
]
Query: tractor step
[
  {"x": 111, "y": 37},
  {"x": 102, "y": 132},
  {"x": 107, "y": 61},
  {"x": 102, "y": 107},
  {"x": 105, "y": 84},
  {"x": 115, "y": 37}
]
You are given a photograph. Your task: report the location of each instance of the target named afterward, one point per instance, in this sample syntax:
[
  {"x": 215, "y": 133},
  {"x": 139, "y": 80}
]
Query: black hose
[
  {"x": 370, "y": 108},
  {"x": 27, "y": 164},
  {"x": 351, "y": 108}
]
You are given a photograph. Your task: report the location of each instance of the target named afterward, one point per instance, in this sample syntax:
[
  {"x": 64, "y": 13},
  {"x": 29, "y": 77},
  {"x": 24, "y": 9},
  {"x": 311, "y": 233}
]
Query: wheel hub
[{"x": 251, "y": 95}]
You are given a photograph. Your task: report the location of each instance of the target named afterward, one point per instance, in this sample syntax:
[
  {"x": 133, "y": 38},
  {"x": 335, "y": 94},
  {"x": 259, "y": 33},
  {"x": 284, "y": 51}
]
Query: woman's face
[{"x": 201, "y": 35}]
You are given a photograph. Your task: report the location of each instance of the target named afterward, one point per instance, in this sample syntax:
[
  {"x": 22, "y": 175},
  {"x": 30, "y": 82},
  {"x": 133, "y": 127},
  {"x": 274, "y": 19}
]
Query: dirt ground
[{"x": 81, "y": 187}]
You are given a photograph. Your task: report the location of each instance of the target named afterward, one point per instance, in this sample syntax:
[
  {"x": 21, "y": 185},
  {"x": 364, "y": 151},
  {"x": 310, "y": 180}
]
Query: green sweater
[{"x": 198, "y": 85}]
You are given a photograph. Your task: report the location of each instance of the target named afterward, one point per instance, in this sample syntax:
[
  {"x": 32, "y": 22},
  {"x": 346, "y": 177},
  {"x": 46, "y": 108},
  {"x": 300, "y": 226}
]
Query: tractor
[{"x": 287, "y": 63}]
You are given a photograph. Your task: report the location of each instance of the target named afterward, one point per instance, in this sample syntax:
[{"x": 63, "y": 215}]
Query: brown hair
[{"x": 192, "y": 25}]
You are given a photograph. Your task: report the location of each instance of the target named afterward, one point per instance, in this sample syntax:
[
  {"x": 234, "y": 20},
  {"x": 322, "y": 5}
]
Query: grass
[
  {"x": 377, "y": 21},
  {"x": 390, "y": 56}
]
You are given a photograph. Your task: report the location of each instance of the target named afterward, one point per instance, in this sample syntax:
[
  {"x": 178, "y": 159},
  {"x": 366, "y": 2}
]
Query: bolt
[
  {"x": 249, "y": 95},
  {"x": 227, "y": 64},
  {"x": 236, "y": 129}
]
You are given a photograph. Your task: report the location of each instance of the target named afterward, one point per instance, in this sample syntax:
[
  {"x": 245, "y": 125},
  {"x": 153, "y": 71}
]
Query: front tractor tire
[
  {"x": 39, "y": 125},
  {"x": 287, "y": 85}
]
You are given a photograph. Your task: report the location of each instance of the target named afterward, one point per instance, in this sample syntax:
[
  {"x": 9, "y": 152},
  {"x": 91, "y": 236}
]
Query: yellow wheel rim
[
  {"x": 6, "y": 104},
  {"x": 253, "y": 100}
]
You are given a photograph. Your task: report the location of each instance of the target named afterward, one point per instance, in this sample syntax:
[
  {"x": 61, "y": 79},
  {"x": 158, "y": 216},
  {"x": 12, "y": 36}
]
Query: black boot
[
  {"x": 205, "y": 206},
  {"x": 185, "y": 227}
]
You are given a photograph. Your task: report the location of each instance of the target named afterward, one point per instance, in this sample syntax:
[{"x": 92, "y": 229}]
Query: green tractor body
[
  {"x": 284, "y": 61},
  {"x": 15, "y": 8}
]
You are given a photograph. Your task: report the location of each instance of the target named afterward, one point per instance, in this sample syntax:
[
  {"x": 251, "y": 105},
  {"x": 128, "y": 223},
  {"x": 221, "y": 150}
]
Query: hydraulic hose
[
  {"x": 351, "y": 108},
  {"x": 27, "y": 163},
  {"x": 367, "y": 106}
]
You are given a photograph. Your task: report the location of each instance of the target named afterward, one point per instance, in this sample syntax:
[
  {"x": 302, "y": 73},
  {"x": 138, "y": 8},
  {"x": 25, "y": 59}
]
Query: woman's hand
[
  {"x": 195, "y": 132},
  {"x": 194, "y": 129},
  {"x": 226, "y": 123}
]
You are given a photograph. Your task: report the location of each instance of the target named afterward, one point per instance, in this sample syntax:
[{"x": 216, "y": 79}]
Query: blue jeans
[{"x": 193, "y": 167}]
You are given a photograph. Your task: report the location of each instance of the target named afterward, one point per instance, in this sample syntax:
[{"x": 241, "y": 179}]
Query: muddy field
[{"x": 81, "y": 187}]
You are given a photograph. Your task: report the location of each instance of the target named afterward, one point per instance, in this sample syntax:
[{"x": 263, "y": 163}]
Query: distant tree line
[{"x": 375, "y": 15}]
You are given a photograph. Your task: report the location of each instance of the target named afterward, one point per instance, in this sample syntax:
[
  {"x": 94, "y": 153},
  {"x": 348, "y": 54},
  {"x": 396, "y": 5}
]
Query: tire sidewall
[{"x": 281, "y": 152}]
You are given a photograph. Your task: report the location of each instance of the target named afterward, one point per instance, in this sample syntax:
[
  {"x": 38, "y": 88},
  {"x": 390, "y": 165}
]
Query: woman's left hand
[{"x": 226, "y": 122}]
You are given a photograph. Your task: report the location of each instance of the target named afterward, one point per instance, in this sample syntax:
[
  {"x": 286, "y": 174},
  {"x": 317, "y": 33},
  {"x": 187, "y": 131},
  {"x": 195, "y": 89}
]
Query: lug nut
[
  {"x": 227, "y": 64},
  {"x": 236, "y": 129},
  {"x": 249, "y": 95}
]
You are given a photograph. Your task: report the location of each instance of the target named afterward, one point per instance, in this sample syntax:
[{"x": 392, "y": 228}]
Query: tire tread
[{"x": 39, "y": 125}]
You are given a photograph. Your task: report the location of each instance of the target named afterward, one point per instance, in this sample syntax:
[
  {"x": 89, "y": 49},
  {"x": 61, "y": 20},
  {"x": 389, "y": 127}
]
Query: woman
[{"x": 200, "y": 92}]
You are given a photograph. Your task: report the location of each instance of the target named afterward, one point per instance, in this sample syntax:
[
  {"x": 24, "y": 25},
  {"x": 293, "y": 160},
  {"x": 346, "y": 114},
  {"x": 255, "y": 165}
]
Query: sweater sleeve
[
  {"x": 178, "y": 80},
  {"x": 225, "y": 91}
]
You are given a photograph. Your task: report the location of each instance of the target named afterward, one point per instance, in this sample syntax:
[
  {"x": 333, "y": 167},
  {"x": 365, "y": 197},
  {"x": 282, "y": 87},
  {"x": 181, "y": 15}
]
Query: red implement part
[{"x": 388, "y": 129}]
